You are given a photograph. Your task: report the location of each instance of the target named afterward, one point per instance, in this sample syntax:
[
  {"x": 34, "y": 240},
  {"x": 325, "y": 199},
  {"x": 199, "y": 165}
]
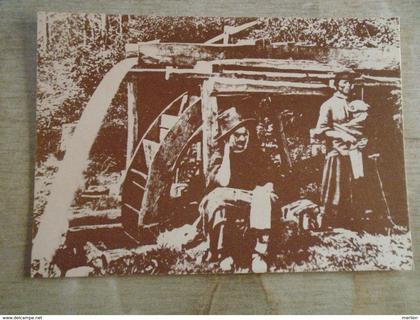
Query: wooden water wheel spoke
[
  {"x": 142, "y": 192},
  {"x": 139, "y": 173},
  {"x": 138, "y": 185}
]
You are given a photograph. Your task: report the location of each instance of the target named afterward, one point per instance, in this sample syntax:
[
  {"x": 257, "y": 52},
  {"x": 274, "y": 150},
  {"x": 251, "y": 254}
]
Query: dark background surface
[{"x": 368, "y": 292}]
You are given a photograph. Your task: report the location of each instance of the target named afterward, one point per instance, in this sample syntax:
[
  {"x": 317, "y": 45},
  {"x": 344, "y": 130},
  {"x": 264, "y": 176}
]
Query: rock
[
  {"x": 306, "y": 214},
  {"x": 227, "y": 264},
  {"x": 178, "y": 237},
  {"x": 258, "y": 264},
  {"x": 83, "y": 271}
]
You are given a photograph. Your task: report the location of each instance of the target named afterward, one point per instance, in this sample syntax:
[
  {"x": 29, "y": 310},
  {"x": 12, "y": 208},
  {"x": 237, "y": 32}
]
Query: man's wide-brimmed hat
[{"x": 230, "y": 120}]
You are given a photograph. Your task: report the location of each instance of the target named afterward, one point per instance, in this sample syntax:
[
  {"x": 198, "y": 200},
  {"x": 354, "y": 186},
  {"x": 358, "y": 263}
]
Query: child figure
[{"x": 353, "y": 130}]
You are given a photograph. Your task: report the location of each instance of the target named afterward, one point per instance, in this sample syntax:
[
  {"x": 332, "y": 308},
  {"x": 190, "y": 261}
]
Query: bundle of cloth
[{"x": 354, "y": 129}]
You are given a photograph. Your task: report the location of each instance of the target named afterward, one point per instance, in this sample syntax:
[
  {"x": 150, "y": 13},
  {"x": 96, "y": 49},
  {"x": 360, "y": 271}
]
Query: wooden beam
[
  {"x": 371, "y": 81},
  {"x": 287, "y": 75},
  {"x": 242, "y": 27},
  {"x": 231, "y": 30},
  {"x": 132, "y": 120},
  {"x": 228, "y": 86},
  {"x": 96, "y": 227},
  {"x": 273, "y": 65},
  {"x": 209, "y": 110},
  {"x": 131, "y": 50},
  {"x": 188, "y": 54},
  {"x": 88, "y": 217},
  {"x": 226, "y": 35},
  {"x": 147, "y": 70},
  {"x": 256, "y": 75},
  {"x": 387, "y": 58},
  {"x": 216, "y": 39},
  {"x": 277, "y": 76}
]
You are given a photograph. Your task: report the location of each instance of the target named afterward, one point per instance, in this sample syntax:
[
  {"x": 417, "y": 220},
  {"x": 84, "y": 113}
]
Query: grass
[{"x": 338, "y": 250}]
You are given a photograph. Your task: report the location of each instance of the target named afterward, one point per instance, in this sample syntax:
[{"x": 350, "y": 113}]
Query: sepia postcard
[{"x": 191, "y": 145}]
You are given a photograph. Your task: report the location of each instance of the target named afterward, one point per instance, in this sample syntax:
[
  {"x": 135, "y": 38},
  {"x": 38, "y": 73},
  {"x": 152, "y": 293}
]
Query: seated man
[{"x": 240, "y": 193}]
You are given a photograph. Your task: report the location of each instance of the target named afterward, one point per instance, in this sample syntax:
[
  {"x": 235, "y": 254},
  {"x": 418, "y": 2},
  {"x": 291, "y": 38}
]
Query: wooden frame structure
[{"x": 220, "y": 70}]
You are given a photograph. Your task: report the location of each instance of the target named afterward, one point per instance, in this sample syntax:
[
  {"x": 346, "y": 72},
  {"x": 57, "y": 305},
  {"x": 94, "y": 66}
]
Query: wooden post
[
  {"x": 104, "y": 29},
  {"x": 43, "y": 31},
  {"x": 132, "y": 119},
  {"x": 284, "y": 142},
  {"x": 210, "y": 126},
  {"x": 226, "y": 34}
]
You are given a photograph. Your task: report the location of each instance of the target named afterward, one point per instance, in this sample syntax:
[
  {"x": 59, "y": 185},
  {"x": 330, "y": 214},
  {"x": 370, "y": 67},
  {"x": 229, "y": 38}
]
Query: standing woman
[{"x": 337, "y": 179}]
